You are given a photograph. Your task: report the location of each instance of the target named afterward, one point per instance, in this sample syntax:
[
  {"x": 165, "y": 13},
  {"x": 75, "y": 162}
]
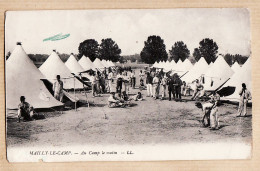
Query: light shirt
[
  {"x": 58, "y": 87},
  {"x": 110, "y": 76},
  {"x": 155, "y": 80},
  {"x": 245, "y": 94}
]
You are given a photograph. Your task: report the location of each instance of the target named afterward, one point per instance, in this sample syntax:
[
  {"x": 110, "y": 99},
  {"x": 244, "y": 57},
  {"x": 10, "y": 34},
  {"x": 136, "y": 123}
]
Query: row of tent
[
  {"x": 216, "y": 76},
  {"x": 23, "y": 78}
]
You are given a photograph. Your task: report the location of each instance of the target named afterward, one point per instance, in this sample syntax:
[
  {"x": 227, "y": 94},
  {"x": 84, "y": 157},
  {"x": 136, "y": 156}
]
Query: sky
[{"x": 229, "y": 28}]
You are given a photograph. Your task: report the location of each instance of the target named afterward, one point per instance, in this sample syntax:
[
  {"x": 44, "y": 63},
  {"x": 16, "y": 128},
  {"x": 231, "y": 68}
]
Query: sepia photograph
[{"x": 128, "y": 84}]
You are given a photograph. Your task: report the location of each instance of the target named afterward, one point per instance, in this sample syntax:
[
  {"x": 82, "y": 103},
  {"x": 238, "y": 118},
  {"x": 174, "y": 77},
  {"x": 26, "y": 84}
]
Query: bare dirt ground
[{"x": 147, "y": 122}]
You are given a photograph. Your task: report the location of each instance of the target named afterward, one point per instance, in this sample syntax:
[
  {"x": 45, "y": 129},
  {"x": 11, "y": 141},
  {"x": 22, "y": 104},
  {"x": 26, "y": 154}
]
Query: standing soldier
[
  {"x": 149, "y": 84},
  {"x": 156, "y": 86},
  {"x": 110, "y": 77},
  {"x": 171, "y": 88},
  {"x": 58, "y": 89},
  {"x": 163, "y": 85},
  {"x": 245, "y": 95},
  {"x": 119, "y": 82},
  {"x": 178, "y": 87}
]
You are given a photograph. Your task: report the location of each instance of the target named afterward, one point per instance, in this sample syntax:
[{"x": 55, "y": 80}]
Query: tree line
[{"x": 154, "y": 50}]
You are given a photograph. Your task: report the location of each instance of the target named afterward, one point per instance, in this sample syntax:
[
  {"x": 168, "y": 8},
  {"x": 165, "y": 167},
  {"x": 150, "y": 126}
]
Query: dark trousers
[
  {"x": 171, "y": 93},
  {"x": 178, "y": 92},
  {"x": 119, "y": 86},
  {"x": 133, "y": 82}
]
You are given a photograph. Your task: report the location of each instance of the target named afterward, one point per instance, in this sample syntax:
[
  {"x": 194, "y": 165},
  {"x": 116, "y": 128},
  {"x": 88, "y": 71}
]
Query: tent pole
[{"x": 75, "y": 94}]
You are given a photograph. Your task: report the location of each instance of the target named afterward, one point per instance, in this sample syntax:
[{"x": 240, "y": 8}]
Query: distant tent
[
  {"x": 112, "y": 64},
  {"x": 196, "y": 71},
  {"x": 183, "y": 67},
  {"x": 23, "y": 79},
  {"x": 86, "y": 63},
  {"x": 187, "y": 65},
  {"x": 243, "y": 75},
  {"x": 172, "y": 65},
  {"x": 54, "y": 66},
  {"x": 217, "y": 74},
  {"x": 73, "y": 65},
  {"x": 166, "y": 66},
  {"x": 235, "y": 67},
  {"x": 104, "y": 63},
  {"x": 98, "y": 64}
]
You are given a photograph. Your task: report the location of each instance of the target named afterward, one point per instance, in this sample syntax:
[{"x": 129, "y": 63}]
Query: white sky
[{"x": 230, "y": 28}]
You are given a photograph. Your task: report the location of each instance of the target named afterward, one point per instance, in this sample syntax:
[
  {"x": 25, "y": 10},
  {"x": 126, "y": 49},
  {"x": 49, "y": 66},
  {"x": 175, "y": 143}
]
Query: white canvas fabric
[
  {"x": 196, "y": 71},
  {"x": 186, "y": 65},
  {"x": 104, "y": 63},
  {"x": 23, "y": 79},
  {"x": 172, "y": 65},
  {"x": 217, "y": 74},
  {"x": 98, "y": 64},
  {"x": 73, "y": 65},
  {"x": 54, "y": 66},
  {"x": 111, "y": 64},
  {"x": 242, "y": 75},
  {"x": 86, "y": 63},
  {"x": 183, "y": 68},
  {"x": 235, "y": 67}
]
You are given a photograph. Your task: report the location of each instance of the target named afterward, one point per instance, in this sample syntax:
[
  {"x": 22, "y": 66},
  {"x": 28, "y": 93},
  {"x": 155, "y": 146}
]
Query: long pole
[{"x": 75, "y": 94}]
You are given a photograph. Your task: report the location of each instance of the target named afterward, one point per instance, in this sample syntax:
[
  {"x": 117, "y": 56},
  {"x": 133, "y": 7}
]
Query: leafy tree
[
  {"x": 229, "y": 59},
  {"x": 240, "y": 59},
  {"x": 109, "y": 50},
  {"x": 208, "y": 49},
  {"x": 89, "y": 48},
  {"x": 196, "y": 54},
  {"x": 179, "y": 51},
  {"x": 154, "y": 50}
]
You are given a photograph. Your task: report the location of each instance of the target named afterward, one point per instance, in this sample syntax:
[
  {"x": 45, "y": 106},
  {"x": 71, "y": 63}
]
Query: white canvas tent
[
  {"x": 172, "y": 65},
  {"x": 196, "y": 71},
  {"x": 98, "y": 64},
  {"x": 73, "y": 65},
  {"x": 217, "y": 74},
  {"x": 111, "y": 64},
  {"x": 243, "y": 75},
  {"x": 183, "y": 68},
  {"x": 235, "y": 67},
  {"x": 23, "y": 79},
  {"x": 54, "y": 66},
  {"x": 104, "y": 63},
  {"x": 86, "y": 63}
]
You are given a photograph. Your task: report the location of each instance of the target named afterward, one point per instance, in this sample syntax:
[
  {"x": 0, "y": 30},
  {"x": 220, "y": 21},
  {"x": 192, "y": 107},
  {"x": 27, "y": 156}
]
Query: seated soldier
[
  {"x": 114, "y": 102},
  {"x": 137, "y": 97},
  {"x": 25, "y": 111}
]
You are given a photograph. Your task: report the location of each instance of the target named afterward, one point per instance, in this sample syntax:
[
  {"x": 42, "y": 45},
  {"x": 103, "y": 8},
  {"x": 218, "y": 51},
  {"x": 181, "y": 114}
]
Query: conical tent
[
  {"x": 103, "y": 62},
  {"x": 86, "y": 63},
  {"x": 98, "y": 64},
  {"x": 186, "y": 65},
  {"x": 166, "y": 66},
  {"x": 172, "y": 65},
  {"x": 54, "y": 66},
  {"x": 23, "y": 79},
  {"x": 243, "y": 75},
  {"x": 111, "y": 64},
  {"x": 73, "y": 65},
  {"x": 183, "y": 67},
  {"x": 235, "y": 67},
  {"x": 217, "y": 74},
  {"x": 196, "y": 71},
  {"x": 178, "y": 65}
]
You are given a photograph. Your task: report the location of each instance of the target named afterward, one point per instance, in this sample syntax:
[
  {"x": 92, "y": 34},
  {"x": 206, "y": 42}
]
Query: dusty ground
[{"x": 149, "y": 121}]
